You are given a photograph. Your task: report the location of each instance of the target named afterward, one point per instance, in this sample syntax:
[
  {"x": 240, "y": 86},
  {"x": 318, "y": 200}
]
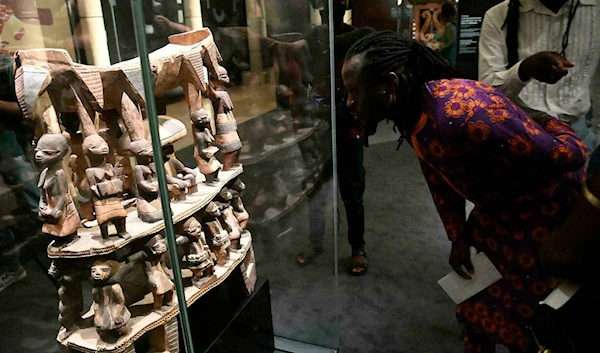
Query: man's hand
[
  {"x": 546, "y": 66},
  {"x": 162, "y": 21},
  {"x": 459, "y": 256}
]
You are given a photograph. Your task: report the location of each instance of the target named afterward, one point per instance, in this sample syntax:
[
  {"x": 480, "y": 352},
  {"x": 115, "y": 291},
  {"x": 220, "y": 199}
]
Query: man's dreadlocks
[{"x": 385, "y": 52}]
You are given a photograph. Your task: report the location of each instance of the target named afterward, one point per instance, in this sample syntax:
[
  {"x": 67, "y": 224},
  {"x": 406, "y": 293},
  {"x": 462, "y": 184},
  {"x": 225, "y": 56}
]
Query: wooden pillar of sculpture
[
  {"x": 257, "y": 28},
  {"x": 92, "y": 25},
  {"x": 226, "y": 136},
  {"x": 165, "y": 338},
  {"x": 70, "y": 295},
  {"x": 193, "y": 14}
]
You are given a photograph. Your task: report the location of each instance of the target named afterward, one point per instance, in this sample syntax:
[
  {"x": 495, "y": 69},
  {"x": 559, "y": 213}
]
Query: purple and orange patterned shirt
[{"x": 474, "y": 144}]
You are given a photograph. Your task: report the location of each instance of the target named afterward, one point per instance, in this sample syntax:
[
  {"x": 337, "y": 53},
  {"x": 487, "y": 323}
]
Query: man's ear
[{"x": 391, "y": 82}]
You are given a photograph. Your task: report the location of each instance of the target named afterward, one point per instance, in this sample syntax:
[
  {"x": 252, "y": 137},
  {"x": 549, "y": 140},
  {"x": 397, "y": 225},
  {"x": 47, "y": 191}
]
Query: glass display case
[{"x": 164, "y": 164}]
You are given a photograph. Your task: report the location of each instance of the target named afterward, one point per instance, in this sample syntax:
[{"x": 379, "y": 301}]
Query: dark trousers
[{"x": 351, "y": 177}]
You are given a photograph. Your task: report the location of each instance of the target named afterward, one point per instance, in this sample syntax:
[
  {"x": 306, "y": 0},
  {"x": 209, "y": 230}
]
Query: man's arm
[
  {"x": 11, "y": 108},
  {"x": 493, "y": 56}
]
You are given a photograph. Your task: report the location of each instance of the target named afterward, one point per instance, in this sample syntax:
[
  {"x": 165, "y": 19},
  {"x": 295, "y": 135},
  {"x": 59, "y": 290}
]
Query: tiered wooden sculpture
[{"x": 97, "y": 115}]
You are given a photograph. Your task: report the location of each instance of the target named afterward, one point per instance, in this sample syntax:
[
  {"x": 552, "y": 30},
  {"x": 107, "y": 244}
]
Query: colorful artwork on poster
[{"x": 24, "y": 25}]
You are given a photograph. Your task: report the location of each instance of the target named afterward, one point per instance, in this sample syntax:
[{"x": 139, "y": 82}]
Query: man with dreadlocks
[
  {"x": 474, "y": 144},
  {"x": 543, "y": 55}
]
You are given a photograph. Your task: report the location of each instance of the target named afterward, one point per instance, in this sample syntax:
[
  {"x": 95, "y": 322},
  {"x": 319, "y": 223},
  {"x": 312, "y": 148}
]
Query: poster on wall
[
  {"x": 27, "y": 24},
  {"x": 471, "y": 14}
]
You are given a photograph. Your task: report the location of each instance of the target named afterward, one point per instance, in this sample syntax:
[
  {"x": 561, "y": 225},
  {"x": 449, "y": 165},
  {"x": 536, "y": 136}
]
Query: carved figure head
[
  {"x": 213, "y": 209},
  {"x": 223, "y": 76},
  {"x": 51, "y": 149},
  {"x": 158, "y": 245},
  {"x": 102, "y": 270},
  {"x": 192, "y": 228},
  {"x": 141, "y": 148},
  {"x": 95, "y": 145},
  {"x": 225, "y": 195},
  {"x": 200, "y": 118}
]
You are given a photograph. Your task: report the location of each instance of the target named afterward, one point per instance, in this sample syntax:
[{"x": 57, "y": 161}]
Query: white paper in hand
[{"x": 460, "y": 289}]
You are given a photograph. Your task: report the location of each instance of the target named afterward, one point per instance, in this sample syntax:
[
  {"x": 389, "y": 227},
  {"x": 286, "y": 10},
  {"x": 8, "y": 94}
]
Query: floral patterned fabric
[{"x": 473, "y": 143}]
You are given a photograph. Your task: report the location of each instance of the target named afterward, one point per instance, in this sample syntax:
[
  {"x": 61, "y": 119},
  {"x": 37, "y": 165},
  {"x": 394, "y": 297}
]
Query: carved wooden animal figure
[
  {"x": 56, "y": 202},
  {"x": 110, "y": 312},
  {"x": 179, "y": 186},
  {"x": 147, "y": 184},
  {"x": 107, "y": 188},
  {"x": 226, "y": 137},
  {"x": 204, "y": 150},
  {"x": 160, "y": 284}
]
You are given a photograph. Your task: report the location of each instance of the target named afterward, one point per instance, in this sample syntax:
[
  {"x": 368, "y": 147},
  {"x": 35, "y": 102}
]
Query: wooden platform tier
[
  {"x": 268, "y": 150},
  {"x": 89, "y": 241},
  {"x": 144, "y": 319}
]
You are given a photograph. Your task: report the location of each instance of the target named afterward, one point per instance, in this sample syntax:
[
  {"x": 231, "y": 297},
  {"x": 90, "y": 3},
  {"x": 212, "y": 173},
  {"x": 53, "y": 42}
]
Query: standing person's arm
[
  {"x": 493, "y": 56},
  {"x": 548, "y": 67}
]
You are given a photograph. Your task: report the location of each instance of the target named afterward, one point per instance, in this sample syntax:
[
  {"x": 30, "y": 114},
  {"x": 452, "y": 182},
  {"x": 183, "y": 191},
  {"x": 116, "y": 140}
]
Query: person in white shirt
[{"x": 543, "y": 54}]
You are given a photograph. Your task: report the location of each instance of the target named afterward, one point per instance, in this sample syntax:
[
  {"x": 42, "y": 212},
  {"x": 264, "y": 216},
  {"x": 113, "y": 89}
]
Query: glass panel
[{"x": 91, "y": 167}]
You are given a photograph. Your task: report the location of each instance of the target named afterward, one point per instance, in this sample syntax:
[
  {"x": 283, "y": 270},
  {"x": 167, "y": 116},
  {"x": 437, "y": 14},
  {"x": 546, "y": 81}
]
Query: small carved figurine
[
  {"x": 197, "y": 252},
  {"x": 239, "y": 211},
  {"x": 228, "y": 219},
  {"x": 56, "y": 203},
  {"x": 110, "y": 311},
  {"x": 227, "y": 138},
  {"x": 118, "y": 155},
  {"x": 204, "y": 151},
  {"x": 107, "y": 188},
  {"x": 178, "y": 186},
  {"x": 147, "y": 184},
  {"x": 217, "y": 237},
  {"x": 160, "y": 284}
]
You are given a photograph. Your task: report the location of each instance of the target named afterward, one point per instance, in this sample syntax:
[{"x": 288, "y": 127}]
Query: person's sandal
[
  {"x": 359, "y": 263},
  {"x": 307, "y": 256}
]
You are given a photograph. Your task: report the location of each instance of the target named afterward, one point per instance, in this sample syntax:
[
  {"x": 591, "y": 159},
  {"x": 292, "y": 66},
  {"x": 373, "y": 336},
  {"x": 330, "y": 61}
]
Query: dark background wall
[{"x": 374, "y": 13}]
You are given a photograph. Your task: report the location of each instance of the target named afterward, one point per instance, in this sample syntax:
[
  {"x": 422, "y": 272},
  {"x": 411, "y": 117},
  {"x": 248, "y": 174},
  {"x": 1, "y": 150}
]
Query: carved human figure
[
  {"x": 204, "y": 150},
  {"x": 160, "y": 284},
  {"x": 56, "y": 202},
  {"x": 78, "y": 164},
  {"x": 146, "y": 182},
  {"x": 70, "y": 294},
  {"x": 226, "y": 136},
  {"x": 179, "y": 186},
  {"x": 107, "y": 188},
  {"x": 239, "y": 211},
  {"x": 118, "y": 155},
  {"x": 197, "y": 252},
  {"x": 228, "y": 219},
  {"x": 110, "y": 311},
  {"x": 217, "y": 237}
]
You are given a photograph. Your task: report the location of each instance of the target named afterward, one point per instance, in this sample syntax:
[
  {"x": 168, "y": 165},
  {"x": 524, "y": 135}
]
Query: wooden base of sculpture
[{"x": 161, "y": 325}]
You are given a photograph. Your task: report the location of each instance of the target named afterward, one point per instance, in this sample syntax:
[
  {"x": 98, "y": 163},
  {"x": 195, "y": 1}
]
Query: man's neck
[{"x": 553, "y": 5}]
